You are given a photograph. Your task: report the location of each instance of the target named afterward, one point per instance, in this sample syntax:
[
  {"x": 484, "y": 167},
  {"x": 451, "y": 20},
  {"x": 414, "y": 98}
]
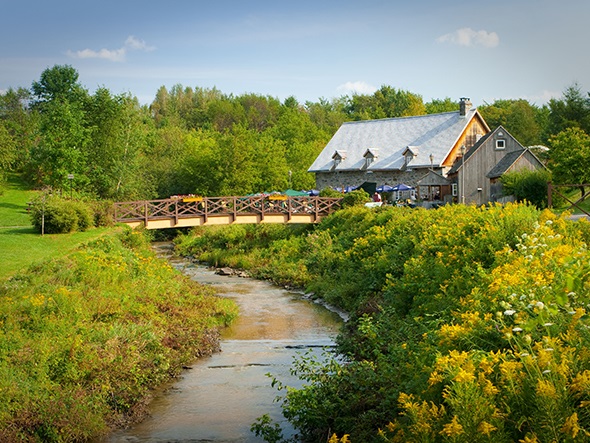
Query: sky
[{"x": 309, "y": 49}]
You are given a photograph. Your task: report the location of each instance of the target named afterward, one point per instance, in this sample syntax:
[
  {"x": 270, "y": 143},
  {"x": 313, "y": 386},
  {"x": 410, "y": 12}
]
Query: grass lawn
[
  {"x": 573, "y": 195},
  {"x": 20, "y": 244}
]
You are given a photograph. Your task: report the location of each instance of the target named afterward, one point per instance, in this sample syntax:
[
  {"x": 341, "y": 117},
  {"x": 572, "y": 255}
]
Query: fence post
[{"x": 549, "y": 195}]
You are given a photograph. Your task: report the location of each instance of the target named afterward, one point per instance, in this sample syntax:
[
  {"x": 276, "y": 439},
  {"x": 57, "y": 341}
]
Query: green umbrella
[{"x": 294, "y": 193}]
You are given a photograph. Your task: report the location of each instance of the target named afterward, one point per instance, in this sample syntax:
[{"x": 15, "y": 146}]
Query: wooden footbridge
[{"x": 198, "y": 211}]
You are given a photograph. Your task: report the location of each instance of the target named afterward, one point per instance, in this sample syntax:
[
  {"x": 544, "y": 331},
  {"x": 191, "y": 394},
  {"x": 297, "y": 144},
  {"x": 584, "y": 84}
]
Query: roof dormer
[
  {"x": 337, "y": 158},
  {"x": 370, "y": 155},
  {"x": 409, "y": 153}
]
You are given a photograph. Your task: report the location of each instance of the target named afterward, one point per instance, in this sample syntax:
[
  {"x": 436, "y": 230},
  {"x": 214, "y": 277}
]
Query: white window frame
[
  {"x": 500, "y": 144},
  {"x": 454, "y": 189}
]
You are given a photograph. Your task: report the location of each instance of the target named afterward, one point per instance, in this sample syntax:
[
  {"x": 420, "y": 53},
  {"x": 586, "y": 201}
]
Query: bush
[
  {"x": 355, "y": 198},
  {"x": 54, "y": 215},
  {"x": 103, "y": 213},
  {"x": 329, "y": 192},
  {"x": 528, "y": 186}
]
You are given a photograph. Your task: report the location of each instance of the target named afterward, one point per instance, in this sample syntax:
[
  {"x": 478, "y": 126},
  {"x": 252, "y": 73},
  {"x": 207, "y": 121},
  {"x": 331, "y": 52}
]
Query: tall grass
[{"x": 85, "y": 337}]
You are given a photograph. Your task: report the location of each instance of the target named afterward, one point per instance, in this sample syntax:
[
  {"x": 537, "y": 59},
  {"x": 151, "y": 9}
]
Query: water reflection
[{"x": 219, "y": 398}]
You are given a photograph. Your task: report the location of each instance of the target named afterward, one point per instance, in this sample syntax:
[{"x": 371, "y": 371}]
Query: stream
[{"x": 220, "y": 397}]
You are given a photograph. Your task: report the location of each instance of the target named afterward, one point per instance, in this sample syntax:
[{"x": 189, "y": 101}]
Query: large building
[{"x": 435, "y": 154}]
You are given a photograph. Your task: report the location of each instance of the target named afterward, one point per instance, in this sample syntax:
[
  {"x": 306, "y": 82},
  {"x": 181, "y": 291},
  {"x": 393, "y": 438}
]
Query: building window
[
  {"x": 500, "y": 144},
  {"x": 454, "y": 189},
  {"x": 368, "y": 161}
]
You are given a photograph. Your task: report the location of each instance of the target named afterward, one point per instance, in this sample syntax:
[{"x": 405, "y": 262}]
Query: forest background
[{"x": 193, "y": 140}]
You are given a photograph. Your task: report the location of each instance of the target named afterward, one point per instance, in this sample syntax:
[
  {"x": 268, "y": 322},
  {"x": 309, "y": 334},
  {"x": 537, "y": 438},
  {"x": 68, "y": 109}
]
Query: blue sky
[{"x": 310, "y": 49}]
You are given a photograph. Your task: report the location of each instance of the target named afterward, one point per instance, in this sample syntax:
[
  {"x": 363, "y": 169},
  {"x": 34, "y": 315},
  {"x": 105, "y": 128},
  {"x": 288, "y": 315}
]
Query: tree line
[{"x": 202, "y": 141}]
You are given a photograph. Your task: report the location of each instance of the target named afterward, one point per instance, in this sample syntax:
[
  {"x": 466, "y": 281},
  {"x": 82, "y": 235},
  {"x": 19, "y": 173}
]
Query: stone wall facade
[{"x": 342, "y": 179}]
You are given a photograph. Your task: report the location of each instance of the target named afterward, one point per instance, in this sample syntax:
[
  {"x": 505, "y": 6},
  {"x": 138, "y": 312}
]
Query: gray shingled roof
[
  {"x": 505, "y": 163},
  {"x": 434, "y": 134}
]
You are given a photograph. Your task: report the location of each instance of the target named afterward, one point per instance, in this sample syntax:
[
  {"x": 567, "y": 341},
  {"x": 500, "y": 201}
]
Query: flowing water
[{"x": 219, "y": 397}]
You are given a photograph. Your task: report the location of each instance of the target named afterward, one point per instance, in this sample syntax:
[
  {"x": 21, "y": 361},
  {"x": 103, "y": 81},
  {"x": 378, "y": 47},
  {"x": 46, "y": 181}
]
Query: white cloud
[
  {"x": 357, "y": 88},
  {"x": 135, "y": 43},
  {"x": 469, "y": 37},
  {"x": 114, "y": 55}
]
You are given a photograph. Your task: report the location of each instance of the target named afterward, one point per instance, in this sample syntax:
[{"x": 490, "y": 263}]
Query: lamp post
[
  {"x": 70, "y": 178},
  {"x": 463, "y": 174}
]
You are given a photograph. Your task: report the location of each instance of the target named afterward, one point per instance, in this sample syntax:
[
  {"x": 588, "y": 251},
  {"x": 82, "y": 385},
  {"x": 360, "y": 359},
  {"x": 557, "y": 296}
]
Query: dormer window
[
  {"x": 338, "y": 157},
  {"x": 409, "y": 153},
  {"x": 370, "y": 155}
]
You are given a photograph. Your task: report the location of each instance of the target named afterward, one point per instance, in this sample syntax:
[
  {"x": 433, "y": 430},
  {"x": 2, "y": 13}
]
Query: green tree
[
  {"x": 59, "y": 83},
  {"x": 117, "y": 133},
  {"x": 327, "y": 116},
  {"x": 62, "y": 131},
  {"x": 235, "y": 162},
  {"x": 21, "y": 123},
  {"x": 7, "y": 150},
  {"x": 386, "y": 102},
  {"x": 569, "y": 157},
  {"x": 438, "y": 106},
  {"x": 571, "y": 111},
  {"x": 523, "y": 120},
  {"x": 196, "y": 171}
]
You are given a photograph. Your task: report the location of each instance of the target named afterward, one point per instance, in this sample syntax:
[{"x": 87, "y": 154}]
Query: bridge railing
[{"x": 205, "y": 207}]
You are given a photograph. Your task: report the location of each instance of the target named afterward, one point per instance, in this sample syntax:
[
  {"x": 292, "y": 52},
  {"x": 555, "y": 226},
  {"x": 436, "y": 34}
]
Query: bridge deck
[{"x": 197, "y": 211}]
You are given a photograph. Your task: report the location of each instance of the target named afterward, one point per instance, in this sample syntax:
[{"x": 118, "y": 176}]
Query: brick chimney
[{"x": 464, "y": 106}]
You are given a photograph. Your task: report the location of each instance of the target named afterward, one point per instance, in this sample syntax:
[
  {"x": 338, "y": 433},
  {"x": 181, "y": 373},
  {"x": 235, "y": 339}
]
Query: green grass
[
  {"x": 573, "y": 195},
  {"x": 13, "y": 203},
  {"x": 20, "y": 244}
]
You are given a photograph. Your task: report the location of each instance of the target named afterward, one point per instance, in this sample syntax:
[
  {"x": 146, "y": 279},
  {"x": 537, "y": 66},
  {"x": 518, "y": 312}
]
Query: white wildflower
[{"x": 509, "y": 312}]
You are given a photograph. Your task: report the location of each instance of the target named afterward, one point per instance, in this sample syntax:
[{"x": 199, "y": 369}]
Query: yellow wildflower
[
  {"x": 571, "y": 426},
  {"x": 546, "y": 389},
  {"x": 463, "y": 376},
  {"x": 486, "y": 428},
  {"x": 451, "y": 332},
  {"x": 487, "y": 386},
  {"x": 529, "y": 439},
  {"x": 435, "y": 377},
  {"x": 453, "y": 428},
  {"x": 581, "y": 382}
]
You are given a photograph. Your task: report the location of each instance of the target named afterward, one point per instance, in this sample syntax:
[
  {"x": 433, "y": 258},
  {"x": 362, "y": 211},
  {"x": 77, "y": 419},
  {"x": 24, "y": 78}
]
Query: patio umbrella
[
  {"x": 402, "y": 187},
  {"x": 385, "y": 188},
  {"x": 294, "y": 193}
]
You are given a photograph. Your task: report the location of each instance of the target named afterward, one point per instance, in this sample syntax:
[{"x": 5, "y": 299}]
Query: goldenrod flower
[
  {"x": 453, "y": 428},
  {"x": 486, "y": 428},
  {"x": 571, "y": 426}
]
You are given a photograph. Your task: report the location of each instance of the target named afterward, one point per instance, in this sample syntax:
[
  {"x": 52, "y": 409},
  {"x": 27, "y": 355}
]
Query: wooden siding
[
  {"x": 478, "y": 186},
  {"x": 476, "y": 128}
]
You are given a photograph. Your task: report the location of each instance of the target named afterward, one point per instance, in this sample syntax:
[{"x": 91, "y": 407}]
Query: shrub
[
  {"x": 355, "y": 198},
  {"x": 528, "y": 186},
  {"x": 329, "y": 192},
  {"x": 103, "y": 213},
  {"x": 54, "y": 215}
]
